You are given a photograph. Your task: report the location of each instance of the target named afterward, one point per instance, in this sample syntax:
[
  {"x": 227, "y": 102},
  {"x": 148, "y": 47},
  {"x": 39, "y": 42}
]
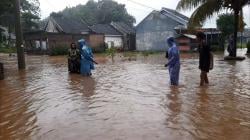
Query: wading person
[
  {"x": 87, "y": 61},
  {"x": 204, "y": 58},
  {"x": 230, "y": 45},
  {"x": 74, "y": 59},
  {"x": 173, "y": 62}
]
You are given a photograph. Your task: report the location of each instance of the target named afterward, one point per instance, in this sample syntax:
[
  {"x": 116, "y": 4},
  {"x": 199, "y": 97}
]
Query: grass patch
[
  {"x": 59, "y": 50},
  {"x": 7, "y": 49},
  {"x": 239, "y": 46},
  {"x": 147, "y": 53}
]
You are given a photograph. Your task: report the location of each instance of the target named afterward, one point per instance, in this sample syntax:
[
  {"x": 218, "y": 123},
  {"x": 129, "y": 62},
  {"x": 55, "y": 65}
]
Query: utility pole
[{"x": 19, "y": 36}]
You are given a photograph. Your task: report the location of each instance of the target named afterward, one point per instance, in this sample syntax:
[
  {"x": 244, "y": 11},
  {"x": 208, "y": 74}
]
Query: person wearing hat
[
  {"x": 87, "y": 61},
  {"x": 173, "y": 62}
]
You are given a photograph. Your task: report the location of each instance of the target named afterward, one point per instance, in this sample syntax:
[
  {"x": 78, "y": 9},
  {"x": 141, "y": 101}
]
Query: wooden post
[
  {"x": 19, "y": 36},
  {"x": 1, "y": 71}
]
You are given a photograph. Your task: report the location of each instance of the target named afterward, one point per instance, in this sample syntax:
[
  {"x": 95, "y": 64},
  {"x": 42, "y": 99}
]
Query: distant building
[
  {"x": 128, "y": 33},
  {"x": 212, "y": 35},
  {"x": 58, "y": 31},
  {"x": 186, "y": 42},
  {"x": 244, "y": 36},
  {"x": 152, "y": 32},
  {"x": 5, "y": 36},
  {"x": 112, "y": 37}
]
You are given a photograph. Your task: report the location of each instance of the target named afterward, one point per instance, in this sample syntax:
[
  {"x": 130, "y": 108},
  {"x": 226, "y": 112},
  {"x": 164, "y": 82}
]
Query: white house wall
[{"x": 117, "y": 40}]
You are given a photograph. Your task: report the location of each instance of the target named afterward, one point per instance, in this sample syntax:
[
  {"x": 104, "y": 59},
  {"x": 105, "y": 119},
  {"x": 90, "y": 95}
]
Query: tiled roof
[
  {"x": 121, "y": 26},
  {"x": 105, "y": 29},
  {"x": 71, "y": 25},
  {"x": 175, "y": 15}
]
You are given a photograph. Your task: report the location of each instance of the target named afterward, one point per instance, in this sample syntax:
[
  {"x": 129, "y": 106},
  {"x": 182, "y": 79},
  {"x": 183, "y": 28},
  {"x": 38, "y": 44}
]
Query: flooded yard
[{"x": 128, "y": 99}]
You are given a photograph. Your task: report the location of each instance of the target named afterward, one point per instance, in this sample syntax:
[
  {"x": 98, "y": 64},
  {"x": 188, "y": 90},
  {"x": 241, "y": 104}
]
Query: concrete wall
[
  {"x": 117, "y": 41},
  {"x": 96, "y": 41},
  {"x": 152, "y": 33}
]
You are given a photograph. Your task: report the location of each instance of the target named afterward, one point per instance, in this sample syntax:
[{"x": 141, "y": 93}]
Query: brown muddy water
[{"x": 129, "y": 99}]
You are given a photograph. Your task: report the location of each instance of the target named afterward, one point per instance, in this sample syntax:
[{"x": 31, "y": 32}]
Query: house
[
  {"x": 128, "y": 33},
  {"x": 58, "y": 31},
  {"x": 112, "y": 37},
  {"x": 186, "y": 42},
  {"x": 244, "y": 36},
  {"x": 5, "y": 36},
  {"x": 152, "y": 31}
]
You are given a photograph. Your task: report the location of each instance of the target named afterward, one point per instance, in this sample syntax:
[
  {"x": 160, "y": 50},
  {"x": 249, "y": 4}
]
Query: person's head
[
  {"x": 73, "y": 46},
  {"x": 81, "y": 42},
  {"x": 200, "y": 37},
  {"x": 170, "y": 41}
]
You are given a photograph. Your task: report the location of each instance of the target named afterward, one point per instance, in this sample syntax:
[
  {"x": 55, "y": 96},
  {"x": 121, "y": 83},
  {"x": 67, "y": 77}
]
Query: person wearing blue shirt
[
  {"x": 87, "y": 61},
  {"x": 173, "y": 61}
]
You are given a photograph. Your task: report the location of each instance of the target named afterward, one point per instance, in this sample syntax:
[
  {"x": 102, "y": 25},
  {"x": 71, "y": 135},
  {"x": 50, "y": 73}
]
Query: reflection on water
[{"x": 129, "y": 98}]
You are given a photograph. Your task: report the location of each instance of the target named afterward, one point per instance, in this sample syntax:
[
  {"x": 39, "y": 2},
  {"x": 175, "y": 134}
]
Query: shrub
[
  {"x": 7, "y": 49},
  {"x": 217, "y": 48},
  {"x": 59, "y": 50},
  {"x": 111, "y": 51}
]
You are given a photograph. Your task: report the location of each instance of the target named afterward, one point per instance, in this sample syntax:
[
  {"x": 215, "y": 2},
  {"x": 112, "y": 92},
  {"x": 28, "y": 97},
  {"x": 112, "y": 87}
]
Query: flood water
[{"x": 128, "y": 99}]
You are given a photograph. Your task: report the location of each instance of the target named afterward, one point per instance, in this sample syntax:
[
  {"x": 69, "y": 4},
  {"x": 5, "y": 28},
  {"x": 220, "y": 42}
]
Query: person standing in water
[
  {"x": 173, "y": 62},
  {"x": 87, "y": 61},
  {"x": 204, "y": 58},
  {"x": 74, "y": 59}
]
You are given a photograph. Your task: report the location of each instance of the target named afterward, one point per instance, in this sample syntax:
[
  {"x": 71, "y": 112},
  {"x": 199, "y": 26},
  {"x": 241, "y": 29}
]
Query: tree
[
  {"x": 101, "y": 12},
  {"x": 225, "y": 23},
  {"x": 206, "y": 8},
  {"x": 30, "y": 13}
]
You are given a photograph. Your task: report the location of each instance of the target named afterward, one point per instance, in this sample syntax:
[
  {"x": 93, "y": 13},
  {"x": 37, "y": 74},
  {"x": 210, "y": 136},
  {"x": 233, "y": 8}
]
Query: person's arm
[
  {"x": 88, "y": 57},
  {"x": 172, "y": 58}
]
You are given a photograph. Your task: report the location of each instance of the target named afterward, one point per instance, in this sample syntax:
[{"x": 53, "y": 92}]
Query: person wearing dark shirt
[
  {"x": 74, "y": 59},
  {"x": 204, "y": 58}
]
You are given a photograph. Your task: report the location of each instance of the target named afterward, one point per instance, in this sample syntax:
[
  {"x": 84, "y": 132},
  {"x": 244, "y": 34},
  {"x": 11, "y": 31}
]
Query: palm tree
[{"x": 207, "y": 8}]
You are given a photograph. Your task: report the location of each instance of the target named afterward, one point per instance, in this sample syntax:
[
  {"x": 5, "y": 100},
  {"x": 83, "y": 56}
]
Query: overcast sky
[{"x": 138, "y": 8}]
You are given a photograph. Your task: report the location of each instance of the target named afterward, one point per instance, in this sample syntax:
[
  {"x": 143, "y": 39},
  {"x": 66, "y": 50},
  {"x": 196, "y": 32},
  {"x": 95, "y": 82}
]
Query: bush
[
  {"x": 59, "y": 50},
  {"x": 7, "y": 49},
  {"x": 217, "y": 48},
  {"x": 111, "y": 51}
]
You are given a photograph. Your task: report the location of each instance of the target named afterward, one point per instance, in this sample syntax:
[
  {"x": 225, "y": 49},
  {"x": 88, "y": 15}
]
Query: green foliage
[
  {"x": 59, "y": 50},
  {"x": 111, "y": 51},
  {"x": 7, "y": 49},
  {"x": 103, "y": 12},
  {"x": 129, "y": 54},
  {"x": 30, "y": 13},
  {"x": 216, "y": 48},
  {"x": 225, "y": 23},
  {"x": 205, "y": 9}
]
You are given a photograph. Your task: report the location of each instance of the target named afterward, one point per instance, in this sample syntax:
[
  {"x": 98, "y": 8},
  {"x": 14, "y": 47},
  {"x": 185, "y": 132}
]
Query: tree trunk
[
  {"x": 236, "y": 24},
  {"x": 19, "y": 36}
]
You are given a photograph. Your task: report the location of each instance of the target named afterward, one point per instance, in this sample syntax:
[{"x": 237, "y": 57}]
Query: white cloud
[{"x": 134, "y": 7}]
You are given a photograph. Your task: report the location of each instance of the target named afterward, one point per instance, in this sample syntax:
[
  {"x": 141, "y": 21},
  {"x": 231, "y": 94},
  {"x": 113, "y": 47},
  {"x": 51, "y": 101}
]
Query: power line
[
  {"x": 143, "y": 5},
  {"x": 52, "y": 6}
]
